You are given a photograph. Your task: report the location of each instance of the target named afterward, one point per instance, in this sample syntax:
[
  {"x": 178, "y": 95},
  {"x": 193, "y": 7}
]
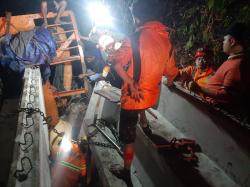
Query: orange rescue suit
[
  {"x": 201, "y": 77},
  {"x": 157, "y": 59},
  {"x": 69, "y": 167}
]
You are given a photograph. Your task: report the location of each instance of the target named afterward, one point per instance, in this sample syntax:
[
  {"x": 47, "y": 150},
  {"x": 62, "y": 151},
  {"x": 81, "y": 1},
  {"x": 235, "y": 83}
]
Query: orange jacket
[
  {"x": 228, "y": 84},
  {"x": 199, "y": 76},
  {"x": 156, "y": 61},
  {"x": 69, "y": 167}
]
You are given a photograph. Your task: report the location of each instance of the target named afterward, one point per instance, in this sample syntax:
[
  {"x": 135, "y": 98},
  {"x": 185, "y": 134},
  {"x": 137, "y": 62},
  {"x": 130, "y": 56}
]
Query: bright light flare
[
  {"x": 117, "y": 45},
  {"x": 100, "y": 14},
  {"x": 105, "y": 41},
  {"x": 66, "y": 145}
]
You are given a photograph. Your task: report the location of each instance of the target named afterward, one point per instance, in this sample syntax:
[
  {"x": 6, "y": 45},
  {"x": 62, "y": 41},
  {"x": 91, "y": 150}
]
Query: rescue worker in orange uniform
[
  {"x": 231, "y": 81},
  {"x": 69, "y": 169},
  {"x": 157, "y": 59},
  {"x": 199, "y": 73}
]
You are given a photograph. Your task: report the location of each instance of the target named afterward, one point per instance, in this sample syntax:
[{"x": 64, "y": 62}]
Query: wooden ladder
[{"x": 72, "y": 36}]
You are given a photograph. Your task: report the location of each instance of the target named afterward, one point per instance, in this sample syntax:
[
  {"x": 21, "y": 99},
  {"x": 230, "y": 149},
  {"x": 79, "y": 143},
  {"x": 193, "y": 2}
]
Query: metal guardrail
[{"x": 238, "y": 120}]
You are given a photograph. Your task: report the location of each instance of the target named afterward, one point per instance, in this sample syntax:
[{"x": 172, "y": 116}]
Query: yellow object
[{"x": 105, "y": 71}]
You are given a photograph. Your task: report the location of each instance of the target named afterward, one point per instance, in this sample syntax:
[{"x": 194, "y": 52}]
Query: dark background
[
  {"x": 19, "y": 7},
  {"x": 193, "y": 23}
]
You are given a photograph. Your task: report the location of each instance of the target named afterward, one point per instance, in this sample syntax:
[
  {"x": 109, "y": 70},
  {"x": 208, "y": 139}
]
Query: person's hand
[
  {"x": 135, "y": 91},
  {"x": 170, "y": 83},
  {"x": 193, "y": 86}
]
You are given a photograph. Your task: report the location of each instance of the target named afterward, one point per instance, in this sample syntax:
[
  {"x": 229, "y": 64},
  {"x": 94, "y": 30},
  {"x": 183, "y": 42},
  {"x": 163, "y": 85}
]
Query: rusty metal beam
[
  {"x": 65, "y": 45},
  {"x": 60, "y": 24},
  {"x": 57, "y": 33},
  {"x": 69, "y": 48},
  {"x": 63, "y": 41},
  {"x": 70, "y": 92},
  {"x": 8, "y": 22}
]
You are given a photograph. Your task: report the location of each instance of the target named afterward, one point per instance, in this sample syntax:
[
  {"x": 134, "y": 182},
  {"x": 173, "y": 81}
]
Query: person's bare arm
[
  {"x": 44, "y": 11},
  {"x": 208, "y": 92},
  {"x": 225, "y": 91},
  {"x": 217, "y": 94},
  {"x": 61, "y": 6}
]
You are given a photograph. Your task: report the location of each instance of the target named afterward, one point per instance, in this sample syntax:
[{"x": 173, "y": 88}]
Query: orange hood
[{"x": 155, "y": 26}]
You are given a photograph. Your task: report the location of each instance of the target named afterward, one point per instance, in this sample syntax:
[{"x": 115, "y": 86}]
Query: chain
[
  {"x": 60, "y": 134},
  {"x": 22, "y": 174},
  {"x": 22, "y": 144},
  {"x": 28, "y": 140},
  {"x": 101, "y": 144},
  {"x": 111, "y": 128},
  {"x": 46, "y": 120},
  {"x": 31, "y": 110},
  {"x": 102, "y": 124}
]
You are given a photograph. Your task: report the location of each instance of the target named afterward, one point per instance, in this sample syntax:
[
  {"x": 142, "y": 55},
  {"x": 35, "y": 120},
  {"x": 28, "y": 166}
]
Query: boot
[{"x": 122, "y": 174}]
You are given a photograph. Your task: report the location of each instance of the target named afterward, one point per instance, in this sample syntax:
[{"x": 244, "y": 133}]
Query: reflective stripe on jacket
[{"x": 69, "y": 167}]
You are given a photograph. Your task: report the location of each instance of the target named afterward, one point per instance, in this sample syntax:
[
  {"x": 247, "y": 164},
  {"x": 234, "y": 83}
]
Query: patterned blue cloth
[{"x": 36, "y": 47}]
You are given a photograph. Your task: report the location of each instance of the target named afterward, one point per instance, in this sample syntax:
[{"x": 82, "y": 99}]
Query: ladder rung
[
  {"x": 70, "y": 92},
  {"x": 65, "y": 49},
  {"x": 83, "y": 75},
  {"x": 58, "y": 42},
  {"x": 57, "y": 33},
  {"x": 61, "y": 61},
  {"x": 55, "y": 25}
]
